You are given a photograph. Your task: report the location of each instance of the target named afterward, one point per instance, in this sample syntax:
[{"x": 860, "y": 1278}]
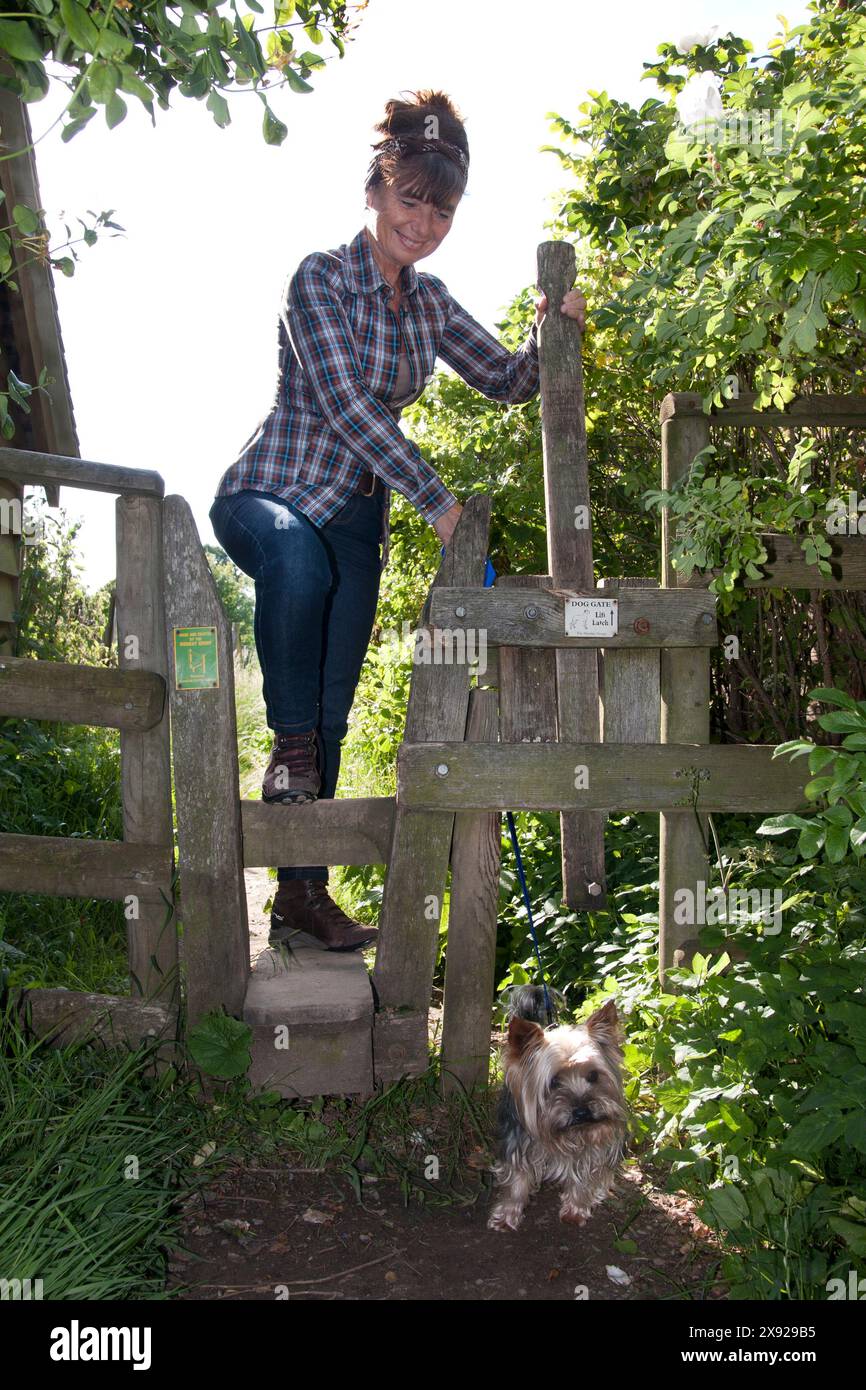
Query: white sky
[{"x": 170, "y": 331}]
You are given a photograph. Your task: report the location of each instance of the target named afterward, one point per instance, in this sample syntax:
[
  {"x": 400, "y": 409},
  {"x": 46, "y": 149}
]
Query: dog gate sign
[
  {"x": 587, "y": 616},
  {"x": 196, "y": 664}
]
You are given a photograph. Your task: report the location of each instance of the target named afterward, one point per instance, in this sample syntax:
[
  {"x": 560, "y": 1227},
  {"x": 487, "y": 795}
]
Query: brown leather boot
[
  {"x": 304, "y": 904},
  {"x": 292, "y": 775}
]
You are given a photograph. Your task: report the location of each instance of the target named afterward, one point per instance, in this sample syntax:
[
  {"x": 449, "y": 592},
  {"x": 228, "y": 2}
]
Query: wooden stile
[
  {"x": 356, "y": 830},
  {"x": 527, "y": 680},
  {"x": 213, "y": 904},
  {"x": 569, "y": 553},
  {"x": 62, "y": 1016},
  {"x": 845, "y": 411},
  {"x": 420, "y": 844},
  {"x": 786, "y": 566}
]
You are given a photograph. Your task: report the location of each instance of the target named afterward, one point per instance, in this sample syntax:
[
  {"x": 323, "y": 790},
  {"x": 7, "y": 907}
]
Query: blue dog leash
[{"x": 489, "y": 576}]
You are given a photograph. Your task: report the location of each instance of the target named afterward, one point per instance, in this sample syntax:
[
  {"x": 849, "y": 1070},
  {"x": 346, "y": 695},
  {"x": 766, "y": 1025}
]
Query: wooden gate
[
  {"x": 139, "y": 870},
  {"x": 595, "y": 699}
]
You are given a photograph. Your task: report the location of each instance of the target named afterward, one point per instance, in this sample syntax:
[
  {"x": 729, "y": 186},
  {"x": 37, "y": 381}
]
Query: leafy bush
[{"x": 839, "y": 824}]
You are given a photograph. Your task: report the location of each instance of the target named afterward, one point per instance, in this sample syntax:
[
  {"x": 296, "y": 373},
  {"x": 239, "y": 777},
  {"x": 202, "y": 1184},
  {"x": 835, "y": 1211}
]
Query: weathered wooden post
[
  {"x": 145, "y": 766},
  {"x": 685, "y": 707},
  {"x": 630, "y": 699},
  {"x": 215, "y": 946},
  {"x": 471, "y": 957},
  {"x": 420, "y": 842},
  {"x": 569, "y": 550}
]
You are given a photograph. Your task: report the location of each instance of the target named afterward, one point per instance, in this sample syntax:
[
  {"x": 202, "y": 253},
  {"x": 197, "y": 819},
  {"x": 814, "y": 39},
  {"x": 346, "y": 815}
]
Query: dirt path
[
  {"x": 259, "y": 889},
  {"x": 277, "y": 1233},
  {"x": 268, "y": 1233}
]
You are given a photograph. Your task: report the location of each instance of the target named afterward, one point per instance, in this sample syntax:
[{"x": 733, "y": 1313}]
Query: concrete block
[{"x": 312, "y": 1019}]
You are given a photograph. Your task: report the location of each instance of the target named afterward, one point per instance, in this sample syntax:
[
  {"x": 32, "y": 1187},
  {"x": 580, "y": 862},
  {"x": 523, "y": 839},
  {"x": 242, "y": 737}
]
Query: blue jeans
[{"x": 316, "y": 593}]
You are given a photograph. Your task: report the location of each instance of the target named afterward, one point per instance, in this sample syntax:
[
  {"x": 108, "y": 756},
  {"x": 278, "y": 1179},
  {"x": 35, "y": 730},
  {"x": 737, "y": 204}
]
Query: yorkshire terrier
[{"x": 562, "y": 1112}]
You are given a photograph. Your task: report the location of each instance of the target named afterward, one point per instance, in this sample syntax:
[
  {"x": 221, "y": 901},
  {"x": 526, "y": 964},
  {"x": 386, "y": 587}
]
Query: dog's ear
[
  {"x": 522, "y": 1034},
  {"x": 604, "y": 1025}
]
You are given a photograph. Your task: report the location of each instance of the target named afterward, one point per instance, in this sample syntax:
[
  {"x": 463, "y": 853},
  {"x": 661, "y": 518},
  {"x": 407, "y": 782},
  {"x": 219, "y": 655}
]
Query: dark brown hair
[{"x": 407, "y": 156}]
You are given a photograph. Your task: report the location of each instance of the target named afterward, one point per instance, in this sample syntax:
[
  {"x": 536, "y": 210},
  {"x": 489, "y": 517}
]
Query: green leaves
[
  {"x": 777, "y": 825},
  {"x": 841, "y": 277},
  {"x": 25, "y": 219},
  {"x": 296, "y": 83},
  {"x": 111, "y": 44},
  {"x": 19, "y": 40},
  {"x": 220, "y": 1045},
  {"x": 103, "y": 79},
  {"x": 273, "y": 130},
  {"x": 727, "y": 1207},
  {"x": 80, "y": 26},
  {"x": 249, "y": 45},
  {"x": 207, "y": 49},
  {"x": 839, "y": 791},
  {"x": 217, "y": 103},
  {"x": 806, "y": 318},
  {"x": 722, "y": 519},
  {"x": 743, "y": 246},
  {"x": 115, "y": 110}
]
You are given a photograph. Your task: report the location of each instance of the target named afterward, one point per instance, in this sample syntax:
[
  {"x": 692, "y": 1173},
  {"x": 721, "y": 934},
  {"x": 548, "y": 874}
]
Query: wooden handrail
[
  {"x": 26, "y": 466},
  {"x": 849, "y": 411}
]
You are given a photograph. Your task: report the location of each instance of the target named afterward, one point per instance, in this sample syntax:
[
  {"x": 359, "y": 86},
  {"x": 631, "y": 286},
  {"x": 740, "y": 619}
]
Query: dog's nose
[{"x": 580, "y": 1114}]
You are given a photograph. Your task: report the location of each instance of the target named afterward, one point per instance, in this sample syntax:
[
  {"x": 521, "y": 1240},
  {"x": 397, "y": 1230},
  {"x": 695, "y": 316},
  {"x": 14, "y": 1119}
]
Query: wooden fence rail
[
  {"x": 53, "y": 470},
  {"x": 139, "y": 870},
  {"x": 75, "y": 694}
]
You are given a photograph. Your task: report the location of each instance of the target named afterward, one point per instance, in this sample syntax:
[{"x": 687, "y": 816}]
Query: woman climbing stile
[{"x": 304, "y": 507}]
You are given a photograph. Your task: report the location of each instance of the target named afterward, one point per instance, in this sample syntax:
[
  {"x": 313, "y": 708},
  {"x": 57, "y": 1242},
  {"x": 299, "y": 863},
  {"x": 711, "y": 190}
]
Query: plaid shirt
[{"x": 338, "y": 350}]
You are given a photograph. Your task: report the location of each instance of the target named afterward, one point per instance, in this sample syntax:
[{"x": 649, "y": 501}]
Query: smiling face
[{"x": 405, "y": 229}]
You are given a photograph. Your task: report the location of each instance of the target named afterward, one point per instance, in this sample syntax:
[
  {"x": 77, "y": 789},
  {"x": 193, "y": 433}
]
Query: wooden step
[{"x": 311, "y": 1013}]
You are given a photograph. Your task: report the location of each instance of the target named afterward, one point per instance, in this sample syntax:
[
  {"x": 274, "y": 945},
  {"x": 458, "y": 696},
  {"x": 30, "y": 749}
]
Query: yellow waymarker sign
[{"x": 196, "y": 664}]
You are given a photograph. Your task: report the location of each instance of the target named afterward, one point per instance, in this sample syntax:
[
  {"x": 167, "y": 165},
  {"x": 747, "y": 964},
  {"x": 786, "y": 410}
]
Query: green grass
[{"x": 95, "y": 1156}]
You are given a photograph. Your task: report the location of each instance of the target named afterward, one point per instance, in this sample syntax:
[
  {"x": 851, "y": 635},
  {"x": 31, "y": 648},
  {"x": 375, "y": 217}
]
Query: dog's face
[{"x": 566, "y": 1082}]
